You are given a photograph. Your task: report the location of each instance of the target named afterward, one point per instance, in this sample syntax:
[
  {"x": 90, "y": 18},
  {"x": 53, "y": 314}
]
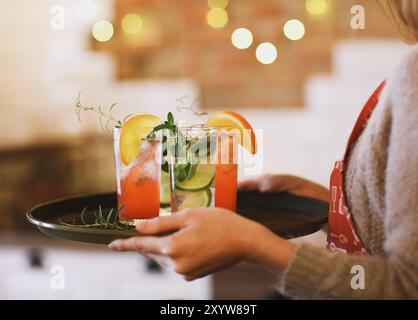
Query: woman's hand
[
  {"x": 286, "y": 183},
  {"x": 207, "y": 240}
]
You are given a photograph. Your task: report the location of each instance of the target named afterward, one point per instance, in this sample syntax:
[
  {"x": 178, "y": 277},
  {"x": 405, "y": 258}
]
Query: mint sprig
[{"x": 169, "y": 124}]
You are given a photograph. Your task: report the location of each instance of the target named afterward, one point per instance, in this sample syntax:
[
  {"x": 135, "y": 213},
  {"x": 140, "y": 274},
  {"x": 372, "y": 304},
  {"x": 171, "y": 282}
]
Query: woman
[{"x": 374, "y": 225}]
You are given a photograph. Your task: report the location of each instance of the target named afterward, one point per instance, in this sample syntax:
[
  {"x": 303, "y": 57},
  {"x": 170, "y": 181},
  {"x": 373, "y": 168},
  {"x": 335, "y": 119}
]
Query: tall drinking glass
[
  {"x": 138, "y": 183},
  {"x": 202, "y": 168},
  {"x": 192, "y": 164}
]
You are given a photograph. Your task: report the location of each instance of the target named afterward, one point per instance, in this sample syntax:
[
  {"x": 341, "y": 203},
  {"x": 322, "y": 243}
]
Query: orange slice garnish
[
  {"x": 230, "y": 120},
  {"x": 133, "y": 131}
]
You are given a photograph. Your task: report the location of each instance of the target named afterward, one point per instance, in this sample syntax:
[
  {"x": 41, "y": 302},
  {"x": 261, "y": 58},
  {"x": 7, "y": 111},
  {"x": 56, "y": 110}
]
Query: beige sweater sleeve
[{"x": 317, "y": 273}]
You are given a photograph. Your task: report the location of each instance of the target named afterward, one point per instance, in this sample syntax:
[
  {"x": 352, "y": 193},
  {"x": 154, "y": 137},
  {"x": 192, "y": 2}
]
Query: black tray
[{"x": 287, "y": 215}]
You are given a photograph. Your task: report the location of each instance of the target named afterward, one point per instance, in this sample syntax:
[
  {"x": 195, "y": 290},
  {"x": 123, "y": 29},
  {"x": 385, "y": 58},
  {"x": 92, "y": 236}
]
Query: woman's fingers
[
  {"x": 151, "y": 247},
  {"x": 199, "y": 272},
  {"x": 161, "y": 224},
  {"x": 140, "y": 244},
  {"x": 163, "y": 261},
  {"x": 266, "y": 183},
  {"x": 262, "y": 183}
]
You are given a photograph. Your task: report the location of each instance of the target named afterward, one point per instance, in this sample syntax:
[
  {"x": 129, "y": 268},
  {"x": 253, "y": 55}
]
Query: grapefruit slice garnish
[
  {"x": 133, "y": 131},
  {"x": 231, "y": 120}
]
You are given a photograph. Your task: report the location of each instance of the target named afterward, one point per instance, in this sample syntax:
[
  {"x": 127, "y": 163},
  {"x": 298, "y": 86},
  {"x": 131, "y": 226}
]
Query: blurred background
[{"x": 297, "y": 70}]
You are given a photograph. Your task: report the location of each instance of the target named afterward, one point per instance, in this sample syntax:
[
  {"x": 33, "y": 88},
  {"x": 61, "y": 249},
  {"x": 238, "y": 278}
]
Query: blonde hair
[{"x": 404, "y": 15}]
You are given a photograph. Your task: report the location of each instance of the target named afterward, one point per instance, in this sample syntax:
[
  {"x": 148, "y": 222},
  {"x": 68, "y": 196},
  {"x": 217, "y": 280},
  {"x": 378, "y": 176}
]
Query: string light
[
  {"x": 242, "y": 38},
  {"x": 102, "y": 31},
  {"x": 294, "y": 29},
  {"x": 266, "y": 53},
  {"x": 217, "y": 4},
  {"x": 316, "y": 6},
  {"x": 217, "y": 18},
  {"x": 132, "y": 24}
]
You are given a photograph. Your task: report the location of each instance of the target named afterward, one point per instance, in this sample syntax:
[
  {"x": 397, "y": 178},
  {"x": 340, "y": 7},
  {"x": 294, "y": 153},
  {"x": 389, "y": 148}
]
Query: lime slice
[
  {"x": 192, "y": 171},
  {"x": 201, "y": 179},
  {"x": 197, "y": 199},
  {"x": 165, "y": 190}
]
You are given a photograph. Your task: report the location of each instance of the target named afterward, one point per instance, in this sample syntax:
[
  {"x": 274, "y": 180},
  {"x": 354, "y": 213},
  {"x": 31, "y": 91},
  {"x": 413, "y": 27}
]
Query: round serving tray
[{"x": 287, "y": 215}]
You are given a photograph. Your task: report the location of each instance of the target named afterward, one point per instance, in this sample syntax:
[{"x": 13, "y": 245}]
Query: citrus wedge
[
  {"x": 230, "y": 120},
  {"x": 132, "y": 132}
]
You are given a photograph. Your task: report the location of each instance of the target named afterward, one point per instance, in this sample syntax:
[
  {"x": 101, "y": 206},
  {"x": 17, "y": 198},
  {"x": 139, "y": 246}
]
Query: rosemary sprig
[
  {"x": 106, "y": 118},
  {"x": 109, "y": 221},
  {"x": 181, "y": 105}
]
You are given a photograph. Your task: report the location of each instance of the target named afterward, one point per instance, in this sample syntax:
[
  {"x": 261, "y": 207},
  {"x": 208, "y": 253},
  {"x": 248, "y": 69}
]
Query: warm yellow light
[
  {"x": 316, "y": 6},
  {"x": 102, "y": 30},
  {"x": 294, "y": 29},
  {"x": 266, "y": 53},
  {"x": 132, "y": 23},
  {"x": 217, "y": 3},
  {"x": 242, "y": 38},
  {"x": 217, "y": 18}
]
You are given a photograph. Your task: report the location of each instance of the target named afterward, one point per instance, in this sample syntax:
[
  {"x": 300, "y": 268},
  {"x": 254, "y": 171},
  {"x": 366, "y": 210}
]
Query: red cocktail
[
  {"x": 138, "y": 181},
  {"x": 226, "y": 172}
]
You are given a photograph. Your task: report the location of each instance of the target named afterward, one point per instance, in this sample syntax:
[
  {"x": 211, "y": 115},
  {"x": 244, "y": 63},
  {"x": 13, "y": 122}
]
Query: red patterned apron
[{"x": 342, "y": 235}]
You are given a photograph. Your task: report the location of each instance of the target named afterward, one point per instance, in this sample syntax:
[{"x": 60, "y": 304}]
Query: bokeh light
[
  {"x": 218, "y": 3},
  {"x": 266, "y": 53},
  {"x": 102, "y": 30},
  {"x": 217, "y": 18},
  {"x": 316, "y": 6},
  {"x": 294, "y": 29},
  {"x": 132, "y": 23},
  {"x": 242, "y": 38},
  {"x": 86, "y": 9}
]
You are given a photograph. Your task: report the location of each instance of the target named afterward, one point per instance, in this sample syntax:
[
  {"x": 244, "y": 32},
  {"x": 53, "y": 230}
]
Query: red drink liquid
[
  {"x": 226, "y": 186},
  {"x": 138, "y": 183},
  {"x": 226, "y": 173},
  {"x": 139, "y": 200}
]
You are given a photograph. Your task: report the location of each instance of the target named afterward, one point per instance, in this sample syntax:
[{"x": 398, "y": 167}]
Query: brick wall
[{"x": 177, "y": 42}]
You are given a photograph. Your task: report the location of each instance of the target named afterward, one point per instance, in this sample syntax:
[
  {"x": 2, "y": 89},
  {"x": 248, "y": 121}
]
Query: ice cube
[
  {"x": 146, "y": 164},
  {"x": 149, "y": 148},
  {"x": 147, "y": 170}
]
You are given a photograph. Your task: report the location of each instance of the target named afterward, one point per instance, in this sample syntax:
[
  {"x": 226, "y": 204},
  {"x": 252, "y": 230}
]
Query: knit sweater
[{"x": 381, "y": 187}]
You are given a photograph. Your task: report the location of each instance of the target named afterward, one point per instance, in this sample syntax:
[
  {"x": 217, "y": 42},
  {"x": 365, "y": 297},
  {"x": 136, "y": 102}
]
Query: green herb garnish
[
  {"x": 106, "y": 118},
  {"x": 170, "y": 128},
  {"x": 190, "y": 147},
  {"x": 109, "y": 221},
  {"x": 181, "y": 105},
  {"x": 169, "y": 124}
]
